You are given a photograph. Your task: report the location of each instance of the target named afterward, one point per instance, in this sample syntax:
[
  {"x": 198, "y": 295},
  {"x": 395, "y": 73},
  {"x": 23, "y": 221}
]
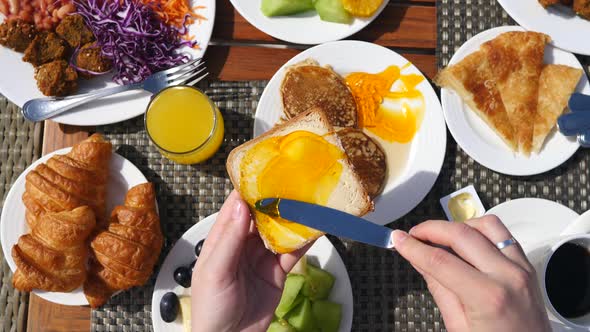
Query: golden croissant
[
  {"x": 124, "y": 254},
  {"x": 53, "y": 256},
  {"x": 68, "y": 181}
]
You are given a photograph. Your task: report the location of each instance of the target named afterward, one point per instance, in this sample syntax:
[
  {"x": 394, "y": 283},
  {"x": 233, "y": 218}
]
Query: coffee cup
[{"x": 563, "y": 270}]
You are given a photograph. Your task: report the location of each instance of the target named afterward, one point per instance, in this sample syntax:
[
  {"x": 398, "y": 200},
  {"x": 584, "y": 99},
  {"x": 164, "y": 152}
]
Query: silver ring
[{"x": 504, "y": 244}]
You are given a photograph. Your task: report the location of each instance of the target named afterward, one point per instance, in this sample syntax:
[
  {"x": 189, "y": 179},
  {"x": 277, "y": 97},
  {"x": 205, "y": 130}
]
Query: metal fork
[{"x": 44, "y": 108}]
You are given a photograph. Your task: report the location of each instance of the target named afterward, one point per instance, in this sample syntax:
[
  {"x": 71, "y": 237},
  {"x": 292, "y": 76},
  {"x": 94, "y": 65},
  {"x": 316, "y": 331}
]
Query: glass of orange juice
[{"x": 184, "y": 124}]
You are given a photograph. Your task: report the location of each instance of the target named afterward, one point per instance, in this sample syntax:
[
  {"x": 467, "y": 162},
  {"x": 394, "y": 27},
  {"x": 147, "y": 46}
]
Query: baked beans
[{"x": 45, "y": 14}]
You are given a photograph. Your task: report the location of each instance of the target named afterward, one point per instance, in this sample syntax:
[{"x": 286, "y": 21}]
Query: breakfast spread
[
  {"x": 505, "y": 84},
  {"x": 580, "y": 7},
  {"x": 304, "y": 304},
  {"x": 337, "y": 11},
  {"x": 301, "y": 159},
  {"x": 123, "y": 254}
]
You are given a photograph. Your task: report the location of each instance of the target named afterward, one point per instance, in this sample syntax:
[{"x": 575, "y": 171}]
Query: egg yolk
[
  {"x": 400, "y": 119},
  {"x": 302, "y": 166}
]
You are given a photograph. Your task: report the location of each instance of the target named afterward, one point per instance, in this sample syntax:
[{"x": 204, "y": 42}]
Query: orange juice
[{"x": 184, "y": 124}]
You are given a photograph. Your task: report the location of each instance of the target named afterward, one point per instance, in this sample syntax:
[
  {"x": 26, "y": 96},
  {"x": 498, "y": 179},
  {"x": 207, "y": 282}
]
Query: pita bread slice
[
  {"x": 516, "y": 61},
  {"x": 471, "y": 79},
  {"x": 556, "y": 85}
]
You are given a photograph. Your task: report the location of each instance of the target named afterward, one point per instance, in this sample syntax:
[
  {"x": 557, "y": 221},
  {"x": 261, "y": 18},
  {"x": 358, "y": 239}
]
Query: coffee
[{"x": 567, "y": 280}]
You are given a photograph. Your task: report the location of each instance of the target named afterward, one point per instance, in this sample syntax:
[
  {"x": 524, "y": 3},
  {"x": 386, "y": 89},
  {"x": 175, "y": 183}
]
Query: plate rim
[
  {"x": 4, "y": 215},
  {"x": 573, "y": 48},
  {"x": 237, "y": 5},
  {"x": 100, "y": 120},
  {"x": 415, "y": 197},
  {"x": 208, "y": 222},
  {"x": 531, "y": 200},
  {"x": 447, "y": 96}
]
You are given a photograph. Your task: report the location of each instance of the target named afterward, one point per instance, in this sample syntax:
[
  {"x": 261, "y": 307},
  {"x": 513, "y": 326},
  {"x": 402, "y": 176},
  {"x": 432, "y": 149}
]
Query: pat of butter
[{"x": 462, "y": 205}]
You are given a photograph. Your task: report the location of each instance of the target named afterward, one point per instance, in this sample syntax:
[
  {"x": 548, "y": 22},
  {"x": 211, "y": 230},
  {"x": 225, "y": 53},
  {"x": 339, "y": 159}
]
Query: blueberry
[
  {"x": 169, "y": 306},
  {"x": 192, "y": 265},
  {"x": 198, "y": 247},
  {"x": 182, "y": 276}
]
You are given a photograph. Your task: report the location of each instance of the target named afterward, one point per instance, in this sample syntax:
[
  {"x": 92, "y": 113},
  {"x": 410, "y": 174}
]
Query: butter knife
[
  {"x": 327, "y": 220},
  {"x": 579, "y": 102}
]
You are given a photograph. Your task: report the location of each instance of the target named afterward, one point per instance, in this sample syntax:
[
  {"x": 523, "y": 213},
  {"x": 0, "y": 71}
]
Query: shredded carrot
[{"x": 174, "y": 12}]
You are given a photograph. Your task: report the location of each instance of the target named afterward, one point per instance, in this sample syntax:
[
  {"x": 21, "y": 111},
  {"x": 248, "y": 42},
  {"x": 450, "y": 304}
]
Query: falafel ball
[
  {"x": 73, "y": 30},
  {"x": 17, "y": 34},
  {"x": 90, "y": 58},
  {"x": 56, "y": 78}
]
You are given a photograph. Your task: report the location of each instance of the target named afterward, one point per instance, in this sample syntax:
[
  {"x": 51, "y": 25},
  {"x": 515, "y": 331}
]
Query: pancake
[
  {"x": 308, "y": 85},
  {"x": 367, "y": 158}
]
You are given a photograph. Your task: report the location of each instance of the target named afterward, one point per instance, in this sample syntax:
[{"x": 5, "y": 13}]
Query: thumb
[{"x": 227, "y": 239}]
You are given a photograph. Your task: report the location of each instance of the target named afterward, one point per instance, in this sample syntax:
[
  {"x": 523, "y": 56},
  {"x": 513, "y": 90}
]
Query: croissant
[
  {"x": 68, "y": 181},
  {"x": 53, "y": 256},
  {"x": 124, "y": 254}
]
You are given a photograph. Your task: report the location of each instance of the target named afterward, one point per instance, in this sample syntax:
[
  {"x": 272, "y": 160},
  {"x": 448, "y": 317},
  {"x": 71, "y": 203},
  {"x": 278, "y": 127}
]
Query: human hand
[
  {"x": 237, "y": 283},
  {"x": 480, "y": 288}
]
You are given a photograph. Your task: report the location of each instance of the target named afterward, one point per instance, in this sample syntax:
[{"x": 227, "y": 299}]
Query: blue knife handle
[
  {"x": 584, "y": 139},
  {"x": 574, "y": 123},
  {"x": 579, "y": 102}
]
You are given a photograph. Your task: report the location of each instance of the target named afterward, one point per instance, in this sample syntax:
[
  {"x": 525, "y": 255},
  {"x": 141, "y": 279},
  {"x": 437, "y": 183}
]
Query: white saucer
[
  {"x": 123, "y": 176},
  {"x": 481, "y": 143},
  {"x": 533, "y": 222},
  {"x": 183, "y": 253}
]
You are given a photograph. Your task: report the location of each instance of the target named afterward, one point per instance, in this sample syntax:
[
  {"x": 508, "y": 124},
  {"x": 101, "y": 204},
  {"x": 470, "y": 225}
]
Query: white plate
[
  {"x": 23, "y": 87},
  {"x": 183, "y": 253},
  {"x": 533, "y": 222},
  {"x": 305, "y": 28},
  {"x": 481, "y": 143},
  {"x": 567, "y": 30},
  {"x": 123, "y": 176},
  {"x": 426, "y": 151}
]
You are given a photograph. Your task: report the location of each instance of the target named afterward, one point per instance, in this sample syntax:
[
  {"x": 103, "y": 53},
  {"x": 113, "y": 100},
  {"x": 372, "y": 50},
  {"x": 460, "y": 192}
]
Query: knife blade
[{"x": 328, "y": 220}]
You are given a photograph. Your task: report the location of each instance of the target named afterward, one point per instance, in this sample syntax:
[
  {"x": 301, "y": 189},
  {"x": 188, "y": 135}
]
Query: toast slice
[
  {"x": 472, "y": 80},
  {"x": 516, "y": 60},
  {"x": 300, "y": 159},
  {"x": 556, "y": 85},
  {"x": 307, "y": 85}
]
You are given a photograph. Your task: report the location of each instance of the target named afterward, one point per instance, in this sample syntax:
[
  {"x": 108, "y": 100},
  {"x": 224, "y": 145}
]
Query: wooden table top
[{"x": 237, "y": 52}]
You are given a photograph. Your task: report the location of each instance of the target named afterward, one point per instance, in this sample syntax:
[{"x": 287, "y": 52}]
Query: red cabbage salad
[{"x": 133, "y": 37}]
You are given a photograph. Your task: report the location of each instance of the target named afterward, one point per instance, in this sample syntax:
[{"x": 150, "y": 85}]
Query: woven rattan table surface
[{"x": 388, "y": 294}]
